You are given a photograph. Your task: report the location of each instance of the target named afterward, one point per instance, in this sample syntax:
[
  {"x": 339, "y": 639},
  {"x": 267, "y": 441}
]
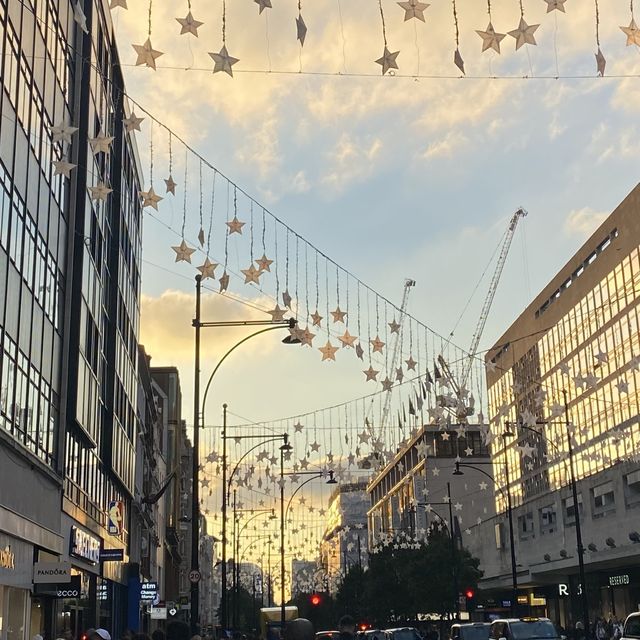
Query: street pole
[
  {"x": 514, "y": 575},
  {"x": 456, "y": 591},
  {"x": 282, "y": 603},
  {"x": 269, "y": 596},
  {"x": 574, "y": 492},
  {"x": 195, "y": 490},
  {"x": 235, "y": 560},
  {"x": 223, "y": 593}
]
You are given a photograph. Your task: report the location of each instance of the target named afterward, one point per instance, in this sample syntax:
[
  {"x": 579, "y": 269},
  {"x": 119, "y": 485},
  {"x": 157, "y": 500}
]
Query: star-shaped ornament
[
  {"x": 491, "y": 39},
  {"x": 555, "y": 5},
  {"x": 524, "y": 34},
  {"x": 263, "y": 4},
  {"x": 306, "y": 337},
  {"x": 235, "y": 226},
  {"x": 150, "y": 198},
  {"x": 399, "y": 374},
  {"x": 264, "y": 264},
  {"x": 201, "y": 237},
  {"x": 171, "y": 185},
  {"x": 394, "y": 326},
  {"x": 101, "y": 143},
  {"x": 301, "y": 29},
  {"x": 622, "y": 386},
  {"x": 189, "y": 24},
  {"x": 79, "y": 17},
  {"x": 183, "y": 252},
  {"x": 338, "y": 315},
  {"x": 328, "y": 351},
  {"x": 316, "y": 319},
  {"x": 411, "y": 363},
  {"x": 251, "y": 275},
  {"x": 132, "y": 123},
  {"x": 207, "y": 269},
  {"x": 277, "y": 314},
  {"x": 62, "y": 132},
  {"x": 146, "y": 54},
  {"x": 118, "y": 3},
  {"x": 63, "y": 168},
  {"x": 601, "y": 62},
  {"x": 347, "y": 339},
  {"x": 458, "y": 61},
  {"x": 223, "y": 61},
  {"x": 359, "y": 351},
  {"x": 632, "y": 32},
  {"x": 414, "y": 9},
  {"x": 377, "y": 344},
  {"x": 371, "y": 373},
  {"x": 387, "y": 384},
  {"x": 224, "y": 282},
  {"x": 100, "y": 191},
  {"x": 388, "y": 60},
  {"x": 286, "y": 299}
]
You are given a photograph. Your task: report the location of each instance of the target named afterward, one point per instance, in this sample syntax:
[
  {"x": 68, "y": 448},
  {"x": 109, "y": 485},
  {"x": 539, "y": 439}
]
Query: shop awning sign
[
  {"x": 84, "y": 546},
  {"x": 619, "y": 581},
  {"x": 149, "y": 592},
  {"x": 51, "y": 572}
]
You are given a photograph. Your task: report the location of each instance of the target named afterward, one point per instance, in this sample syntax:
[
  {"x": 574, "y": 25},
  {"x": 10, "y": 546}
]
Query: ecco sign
[
  {"x": 85, "y": 546},
  {"x": 51, "y": 572}
]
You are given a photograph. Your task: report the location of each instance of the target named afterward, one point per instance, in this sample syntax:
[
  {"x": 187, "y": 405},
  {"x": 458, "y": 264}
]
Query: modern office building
[{"x": 567, "y": 371}]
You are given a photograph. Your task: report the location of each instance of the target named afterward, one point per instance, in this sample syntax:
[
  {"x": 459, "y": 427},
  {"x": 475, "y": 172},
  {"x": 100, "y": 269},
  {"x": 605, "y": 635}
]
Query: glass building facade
[
  {"x": 578, "y": 341},
  {"x": 69, "y": 265}
]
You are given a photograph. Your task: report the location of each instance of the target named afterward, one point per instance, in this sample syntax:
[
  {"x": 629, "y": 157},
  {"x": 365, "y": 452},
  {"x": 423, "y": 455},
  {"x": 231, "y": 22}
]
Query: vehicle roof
[
  {"x": 471, "y": 624},
  {"x": 319, "y": 633},
  {"x": 402, "y": 629},
  {"x": 533, "y": 619}
]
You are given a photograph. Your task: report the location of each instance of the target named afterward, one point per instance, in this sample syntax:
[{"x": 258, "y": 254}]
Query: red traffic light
[
  {"x": 315, "y": 599},
  {"x": 469, "y": 594}
]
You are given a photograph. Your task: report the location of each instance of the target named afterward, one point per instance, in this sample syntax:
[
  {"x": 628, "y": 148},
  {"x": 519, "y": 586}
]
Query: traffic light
[
  {"x": 470, "y": 597},
  {"x": 315, "y": 600}
]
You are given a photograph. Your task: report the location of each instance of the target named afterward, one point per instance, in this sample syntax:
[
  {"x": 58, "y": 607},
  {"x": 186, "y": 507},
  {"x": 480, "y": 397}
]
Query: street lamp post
[
  {"x": 198, "y": 412},
  {"x": 285, "y": 447}
]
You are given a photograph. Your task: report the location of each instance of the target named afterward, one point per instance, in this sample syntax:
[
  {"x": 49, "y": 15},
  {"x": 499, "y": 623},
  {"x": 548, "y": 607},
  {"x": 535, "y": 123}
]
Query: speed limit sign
[{"x": 194, "y": 576}]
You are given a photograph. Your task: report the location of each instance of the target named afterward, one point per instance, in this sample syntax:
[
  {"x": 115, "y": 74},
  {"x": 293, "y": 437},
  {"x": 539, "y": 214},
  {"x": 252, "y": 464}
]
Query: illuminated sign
[
  {"x": 7, "y": 559},
  {"x": 148, "y": 591},
  {"x": 84, "y": 546},
  {"x": 115, "y": 517},
  {"x": 617, "y": 581}
]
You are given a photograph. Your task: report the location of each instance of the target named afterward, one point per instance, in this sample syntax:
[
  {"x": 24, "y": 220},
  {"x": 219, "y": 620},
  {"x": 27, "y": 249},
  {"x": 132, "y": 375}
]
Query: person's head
[
  {"x": 98, "y": 634},
  {"x": 579, "y": 625},
  {"x": 178, "y": 630},
  {"x": 299, "y": 629},
  {"x": 347, "y": 625}
]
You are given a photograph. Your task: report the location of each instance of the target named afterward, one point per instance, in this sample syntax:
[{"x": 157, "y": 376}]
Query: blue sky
[{"x": 392, "y": 177}]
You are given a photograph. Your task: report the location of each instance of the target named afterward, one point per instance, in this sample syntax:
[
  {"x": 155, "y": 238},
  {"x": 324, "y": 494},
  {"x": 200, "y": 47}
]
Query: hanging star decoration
[
  {"x": 458, "y": 61},
  {"x": 377, "y": 344},
  {"x": 118, "y": 3},
  {"x": 208, "y": 269},
  {"x": 286, "y": 299},
  {"x": 189, "y": 24},
  {"x": 347, "y": 339},
  {"x": 277, "y": 314},
  {"x": 328, "y": 351},
  {"x": 263, "y": 4},
  {"x": 359, "y": 351},
  {"x": 394, "y": 326},
  {"x": 147, "y": 55},
  {"x": 235, "y": 226},
  {"x": 62, "y": 132},
  {"x": 524, "y": 34},
  {"x": 264, "y": 264},
  {"x": 555, "y": 5},
  {"x": 101, "y": 144},
  {"x": 150, "y": 198},
  {"x": 223, "y": 61},
  {"x": 491, "y": 39},
  {"x": 224, "y": 282},
  {"x": 301, "y": 28},
  {"x": 601, "y": 62},
  {"x": 171, "y": 185},
  {"x": 338, "y": 315},
  {"x": 251, "y": 275},
  {"x": 371, "y": 373},
  {"x": 79, "y": 17},
  {"x": 632, "y": 32},
  {"x": 63, "y": 168},
  {"x": 414, "y": 9},
  {"x": 100, "y": 191},
  {"x": 316, "y": 319},
  {"x": 411, "y": 363},
  {"x": 183, "y": 252},
  {"x": 132, "y": 123},
  {"x": 388, "y": 60}
]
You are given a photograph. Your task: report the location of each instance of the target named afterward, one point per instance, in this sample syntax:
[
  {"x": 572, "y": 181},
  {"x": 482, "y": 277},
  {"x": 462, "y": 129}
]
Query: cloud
[
  {"x": 447, "y": 146},
  {"x": 584, "y": 222}
]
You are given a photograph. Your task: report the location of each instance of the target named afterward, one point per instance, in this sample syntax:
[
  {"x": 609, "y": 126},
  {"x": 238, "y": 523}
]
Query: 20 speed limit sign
[{"x": 194, "y": 576}]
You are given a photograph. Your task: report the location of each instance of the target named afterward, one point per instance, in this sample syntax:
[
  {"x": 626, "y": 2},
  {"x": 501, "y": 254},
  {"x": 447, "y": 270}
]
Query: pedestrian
[
  {"x": 347, "y": 628},
  {"x": 178, "y": 630},
  {"x": 299, "y": 629},
  {"x": 579, "y": 634}
]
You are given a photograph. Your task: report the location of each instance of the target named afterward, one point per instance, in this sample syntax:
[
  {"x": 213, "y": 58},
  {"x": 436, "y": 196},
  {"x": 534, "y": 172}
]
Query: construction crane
[
  {"x": 408, "y": 284},
  {"x": 486, "y": 307}
]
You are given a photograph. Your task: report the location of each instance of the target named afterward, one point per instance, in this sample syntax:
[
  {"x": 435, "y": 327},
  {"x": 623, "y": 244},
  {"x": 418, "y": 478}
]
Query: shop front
[{"x": 15, "y": 586}]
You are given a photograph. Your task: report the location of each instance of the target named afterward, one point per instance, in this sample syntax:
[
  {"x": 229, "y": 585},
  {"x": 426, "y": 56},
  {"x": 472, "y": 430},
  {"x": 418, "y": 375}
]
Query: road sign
[
  {"x": 158, "y": 613},
  {"x": 172, "y": 612},
  {"x": 194, "y": 576}
]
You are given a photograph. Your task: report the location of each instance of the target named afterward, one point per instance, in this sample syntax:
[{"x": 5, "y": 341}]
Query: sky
[{"x": 392, "y": 177}]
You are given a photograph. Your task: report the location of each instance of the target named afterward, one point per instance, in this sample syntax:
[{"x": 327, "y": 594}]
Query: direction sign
[
  {"x": 172, "y": 612},
  {"x": 194, "y": 576}
]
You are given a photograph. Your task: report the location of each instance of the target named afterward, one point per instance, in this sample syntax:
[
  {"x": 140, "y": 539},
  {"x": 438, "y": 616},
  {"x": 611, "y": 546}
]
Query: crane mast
[{"x": 486, "y": 307}]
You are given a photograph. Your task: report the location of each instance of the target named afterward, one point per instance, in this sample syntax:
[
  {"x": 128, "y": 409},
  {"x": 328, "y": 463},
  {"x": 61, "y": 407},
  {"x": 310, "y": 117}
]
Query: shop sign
[
  {"x": 84, "y": 546},
  {"x": 102, "y": 591},
  {"x": 158, "y": 613},
  {"x": 115, "y": 517},
  {"x": 618, "y": 581},
  {"x": 523, "y": 600},
  {"x": 112, "y": 555},
  {"x": 148, "y": 591},
  {"x": 563, "y": 589},
  {"x": 71, "y": 590},
  {"x": 7, "y": 559},
  {"x": 51, "y": 572}
]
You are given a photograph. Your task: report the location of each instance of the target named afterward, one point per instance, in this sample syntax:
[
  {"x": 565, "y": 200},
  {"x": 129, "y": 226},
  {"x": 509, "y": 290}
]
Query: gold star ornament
[
  {"x": 132, "y": 123},
  {"x": 371, "y": 373},
  {"x": 347, "y": 339},
  {"x": 264, "y": 264},
  {"x": 251, "y": 275},
  {"x": 171, "y": 185},
  {"x": 414, "y": 9},
  {"x": 150, "y": 198},
  {"x": 388, "y": 60},
  {"x": 147, "y": 55},
  {"x": 632, "y": 32},
  {"x": 338, "y": 315},
  {"x": 183, "y": 252},
  {"x": 223, "y": 61},
  {"x": 377, "y": 344},
  {"x": 235, "y": 226},
  {"x": 491, "y": 39},
  {"x": 208, "y": 269},
  {"x": 524, "y": 34},
  {"x": 328, "y": 351},
  {"x": 555, "y": 5},
  {"x": 189, "y": 24},
  {"x": 316, "y": 318}
]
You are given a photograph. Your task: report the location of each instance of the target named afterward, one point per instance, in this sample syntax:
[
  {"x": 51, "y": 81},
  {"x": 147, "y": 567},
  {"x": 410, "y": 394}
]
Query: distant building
[
  {"x": 344, "y": 543},
  {"x": 306, "y": 577},
  {"x": 580, "y": 335}
]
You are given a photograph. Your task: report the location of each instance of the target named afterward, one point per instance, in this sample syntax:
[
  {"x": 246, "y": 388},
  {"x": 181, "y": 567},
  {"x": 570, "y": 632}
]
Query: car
[
  {"x": 373, "y": 634},
  {"x": 470, "y": 631},
  {"x": 523, "y": 629},
  {"x": 403, "y": 633},
  {"x": 631, "y": 627},
  {"x": 328, "y": 635}
]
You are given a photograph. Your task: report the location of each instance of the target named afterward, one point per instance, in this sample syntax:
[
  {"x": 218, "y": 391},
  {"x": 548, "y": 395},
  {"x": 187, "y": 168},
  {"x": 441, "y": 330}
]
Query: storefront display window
[{"x": 15, "y": 601}]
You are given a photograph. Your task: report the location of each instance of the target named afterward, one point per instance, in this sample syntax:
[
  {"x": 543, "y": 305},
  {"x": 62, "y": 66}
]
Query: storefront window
[{"x": 15, "y": 608}]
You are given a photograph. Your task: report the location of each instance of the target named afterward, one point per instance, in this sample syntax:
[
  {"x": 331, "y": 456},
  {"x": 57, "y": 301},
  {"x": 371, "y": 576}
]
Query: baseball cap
[{"x": 104, "y": 634}]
